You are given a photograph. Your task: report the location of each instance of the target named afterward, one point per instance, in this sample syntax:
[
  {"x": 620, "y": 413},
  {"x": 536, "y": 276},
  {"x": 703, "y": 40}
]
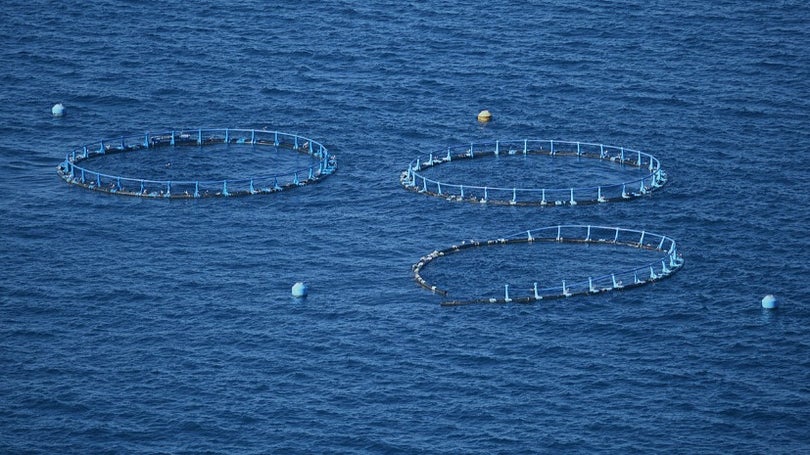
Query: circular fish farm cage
[
  {"x": 486, "y": 172},
  {"x": 615, "y": 259},
  {"x": 195, "y": 163}
]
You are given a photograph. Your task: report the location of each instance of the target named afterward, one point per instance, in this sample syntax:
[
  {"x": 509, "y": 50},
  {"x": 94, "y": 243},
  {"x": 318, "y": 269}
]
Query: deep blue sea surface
[{"x": 132, "y": 325}]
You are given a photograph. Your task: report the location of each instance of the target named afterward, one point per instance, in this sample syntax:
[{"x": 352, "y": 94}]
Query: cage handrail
[
  {"x": 667, "y": 264},
  {"x": 415, "y": 180},
  {"x": 325, "y": 165}
]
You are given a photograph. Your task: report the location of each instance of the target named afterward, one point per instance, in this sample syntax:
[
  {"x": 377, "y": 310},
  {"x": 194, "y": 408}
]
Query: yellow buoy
[{"x": 484, "y": 116}]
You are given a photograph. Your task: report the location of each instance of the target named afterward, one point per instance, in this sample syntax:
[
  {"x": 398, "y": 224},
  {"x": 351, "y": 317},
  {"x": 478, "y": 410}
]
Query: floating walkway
[
  {"x": 75, "y": 168},
  {"x": 669, "y": 262},
  {"x": 415, "y": 179}
]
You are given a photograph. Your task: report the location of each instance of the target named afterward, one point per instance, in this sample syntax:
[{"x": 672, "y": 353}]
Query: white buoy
[
  {"x": 58, "y": 110},
  {"x": 484, "y": 116},
  {"x": 769, "y": 302},
  {"x": 299, "y": 289}
]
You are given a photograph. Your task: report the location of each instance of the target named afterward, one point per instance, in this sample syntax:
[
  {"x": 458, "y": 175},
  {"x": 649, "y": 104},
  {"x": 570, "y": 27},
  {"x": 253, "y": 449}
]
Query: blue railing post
[
  {"x": 172, "y": 142},
  {"x": 673, "y": 261},
  {"x": 199, "y": 136},
  {"x": 196, "y": 189},
  {"x": 227, "y": 136},
  {"x": 225, "y": 188}
]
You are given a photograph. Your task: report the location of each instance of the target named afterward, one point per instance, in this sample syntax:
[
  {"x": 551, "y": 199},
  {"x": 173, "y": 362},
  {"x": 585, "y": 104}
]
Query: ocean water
[{"x": 130, "y": 325}]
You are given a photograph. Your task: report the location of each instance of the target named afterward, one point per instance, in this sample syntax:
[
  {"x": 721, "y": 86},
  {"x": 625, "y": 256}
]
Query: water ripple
[{"x": 136, "y": 325}]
